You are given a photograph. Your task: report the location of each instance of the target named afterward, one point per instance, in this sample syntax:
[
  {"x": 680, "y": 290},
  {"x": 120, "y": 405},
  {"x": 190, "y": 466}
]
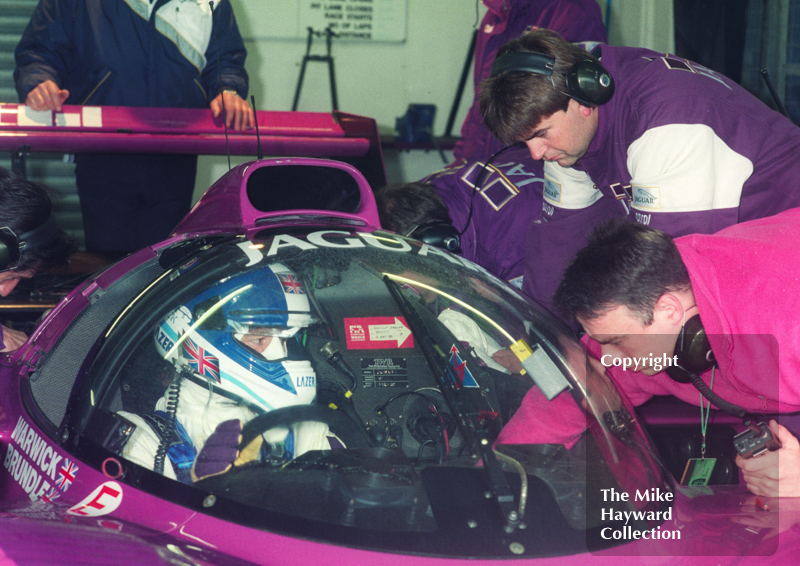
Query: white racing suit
[{"x": 199, "y": 411}]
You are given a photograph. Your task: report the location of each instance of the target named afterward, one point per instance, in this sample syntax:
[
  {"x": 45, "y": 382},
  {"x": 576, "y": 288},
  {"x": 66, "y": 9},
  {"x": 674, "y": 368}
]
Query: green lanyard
[{"x": 704, "y": 417}]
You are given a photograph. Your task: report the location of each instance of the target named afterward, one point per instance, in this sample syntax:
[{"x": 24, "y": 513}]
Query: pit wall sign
[{"x": 359, "y": 20}]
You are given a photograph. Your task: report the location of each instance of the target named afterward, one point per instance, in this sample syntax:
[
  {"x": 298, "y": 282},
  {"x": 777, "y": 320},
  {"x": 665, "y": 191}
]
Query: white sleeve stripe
[
  {"x": 685, "y": 168},
  {"x": 565, "y": 187}
]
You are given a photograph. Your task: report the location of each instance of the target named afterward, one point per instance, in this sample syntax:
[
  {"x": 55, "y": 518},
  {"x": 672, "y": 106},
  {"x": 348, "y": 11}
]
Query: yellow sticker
[{"x": 521, "y": 349}]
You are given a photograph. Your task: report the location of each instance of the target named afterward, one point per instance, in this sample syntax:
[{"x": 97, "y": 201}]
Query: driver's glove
[{"x": 222, "y": 451}]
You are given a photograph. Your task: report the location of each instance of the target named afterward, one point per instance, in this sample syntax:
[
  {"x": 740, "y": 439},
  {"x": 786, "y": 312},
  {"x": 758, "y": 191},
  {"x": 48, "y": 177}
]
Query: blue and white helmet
[{"x": 206, "y": 335}]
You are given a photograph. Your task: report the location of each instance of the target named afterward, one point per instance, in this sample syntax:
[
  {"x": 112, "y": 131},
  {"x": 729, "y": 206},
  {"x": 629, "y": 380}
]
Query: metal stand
[
  {"x": 329, "y": 35},
  {"x": 461, "y": 83}
]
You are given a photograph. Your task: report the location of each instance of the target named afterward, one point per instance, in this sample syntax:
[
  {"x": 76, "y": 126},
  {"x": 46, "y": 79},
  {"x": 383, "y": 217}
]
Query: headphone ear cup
[
  {"x": 589, "y": 83},
  {"x": 5, "y": 257},
  {"x": 9, "y": 250},
  {"x": 439, "y": 234},
  {"x": 692, "y": 350}
]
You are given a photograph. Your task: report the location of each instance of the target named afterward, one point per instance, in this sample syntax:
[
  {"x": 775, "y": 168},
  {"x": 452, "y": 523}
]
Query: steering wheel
[{"x": 340, "y": 424}]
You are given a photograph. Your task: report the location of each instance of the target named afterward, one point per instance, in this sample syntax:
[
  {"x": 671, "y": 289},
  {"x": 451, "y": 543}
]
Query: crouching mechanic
[
  {"x": 236, "y": 353},
  {"x": 638, "y": 134},
  {"x": 484, "y": 207},
  {"x": 646, "y": 299}
]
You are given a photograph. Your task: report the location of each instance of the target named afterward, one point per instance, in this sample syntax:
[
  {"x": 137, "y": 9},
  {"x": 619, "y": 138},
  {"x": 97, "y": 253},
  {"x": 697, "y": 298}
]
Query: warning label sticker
[{"x": 378, "y": 332}]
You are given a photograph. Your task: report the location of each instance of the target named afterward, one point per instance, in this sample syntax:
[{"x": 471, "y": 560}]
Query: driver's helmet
[{"x": 207, "y": 337}]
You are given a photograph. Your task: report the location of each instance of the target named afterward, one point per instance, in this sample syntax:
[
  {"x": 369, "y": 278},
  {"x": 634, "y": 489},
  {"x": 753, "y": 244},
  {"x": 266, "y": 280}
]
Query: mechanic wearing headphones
[
  {"x": 715, "y": 312},
  {"x": 482, "y": 213},
  {"x": 29, "y": 240},
  {"x": 664, "y": 141},
  {"x": 576, "y": 20}
]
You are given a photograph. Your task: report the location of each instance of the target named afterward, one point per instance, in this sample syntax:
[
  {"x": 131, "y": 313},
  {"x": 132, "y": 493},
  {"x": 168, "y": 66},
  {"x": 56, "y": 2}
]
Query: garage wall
[
  {"x": 380, "y": 79},
  {"x": 375, "y": 78}
]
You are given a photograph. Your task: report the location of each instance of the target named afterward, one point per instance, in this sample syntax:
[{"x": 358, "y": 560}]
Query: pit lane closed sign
[{"x": 358, "y": 20}]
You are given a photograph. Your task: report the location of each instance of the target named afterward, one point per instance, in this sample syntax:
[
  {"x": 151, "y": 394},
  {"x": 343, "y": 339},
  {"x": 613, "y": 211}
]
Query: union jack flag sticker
[
  {"x": 51, "y": 495},
  {"x": 66, "y": 475},
  {"x": 460, "y": 376},
  {"x": 291, "y": 285},
  {"x": 201, "y": 361}
]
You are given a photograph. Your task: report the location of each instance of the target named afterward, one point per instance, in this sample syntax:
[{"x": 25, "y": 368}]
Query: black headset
[
  {"x": 693, "y": 352},
  {"x": 440, "y": 234},
  {"x": 694, "y": 356},
  {"x": 12, "y": 247},
  {"x": 588, "y": 82}
]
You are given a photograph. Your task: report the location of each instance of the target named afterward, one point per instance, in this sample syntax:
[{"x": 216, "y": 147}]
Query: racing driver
[{"x": 236, "y": 353}]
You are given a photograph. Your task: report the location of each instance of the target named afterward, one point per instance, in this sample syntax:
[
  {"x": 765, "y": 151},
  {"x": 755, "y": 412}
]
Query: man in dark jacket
[{"x": 167, "y": 53}]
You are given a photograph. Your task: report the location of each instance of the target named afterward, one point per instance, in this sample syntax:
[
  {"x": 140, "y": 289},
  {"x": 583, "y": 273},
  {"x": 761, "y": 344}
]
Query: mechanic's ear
[
  {"x": 669, "y": 309},
  {"x": 586, "y": 111}
]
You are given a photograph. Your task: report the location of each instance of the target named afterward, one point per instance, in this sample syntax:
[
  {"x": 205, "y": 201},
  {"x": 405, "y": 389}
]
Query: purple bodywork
[{"x": 55, "y": 507}]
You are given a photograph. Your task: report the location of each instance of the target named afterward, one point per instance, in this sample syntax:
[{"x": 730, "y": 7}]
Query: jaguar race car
[{"x": 283, "y": 382}]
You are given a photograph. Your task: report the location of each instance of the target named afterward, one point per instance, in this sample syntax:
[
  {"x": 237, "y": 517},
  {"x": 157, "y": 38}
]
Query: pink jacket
[{"x": 746, "y": 281}]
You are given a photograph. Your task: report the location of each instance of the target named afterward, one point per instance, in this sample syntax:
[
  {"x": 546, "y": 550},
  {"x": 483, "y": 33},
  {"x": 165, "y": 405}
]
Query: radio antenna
[
  {"x": 774, "y": 93},
  {"x": 222, "y": 92},
  {"x": 260, "y": 153}
]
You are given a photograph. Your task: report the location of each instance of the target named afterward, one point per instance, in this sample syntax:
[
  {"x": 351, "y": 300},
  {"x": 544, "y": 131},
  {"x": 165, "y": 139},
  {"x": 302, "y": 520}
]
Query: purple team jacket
[{"x": 575, "y": 20}]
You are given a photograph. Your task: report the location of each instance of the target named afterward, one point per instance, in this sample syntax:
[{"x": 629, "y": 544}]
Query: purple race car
[{"x": 282, "y": 382}]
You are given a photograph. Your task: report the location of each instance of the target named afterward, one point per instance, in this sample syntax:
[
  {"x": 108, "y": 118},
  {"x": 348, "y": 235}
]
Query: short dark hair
[
  {"x": 626, "y": 264},
  {"x": 404, "y": 206},
  {"x": 24, "y": 206},
  {"x": 515, "y": 102}
]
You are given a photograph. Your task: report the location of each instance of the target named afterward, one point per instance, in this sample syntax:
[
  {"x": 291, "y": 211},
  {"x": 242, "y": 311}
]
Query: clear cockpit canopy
[{"x": 408, "y": 376}]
